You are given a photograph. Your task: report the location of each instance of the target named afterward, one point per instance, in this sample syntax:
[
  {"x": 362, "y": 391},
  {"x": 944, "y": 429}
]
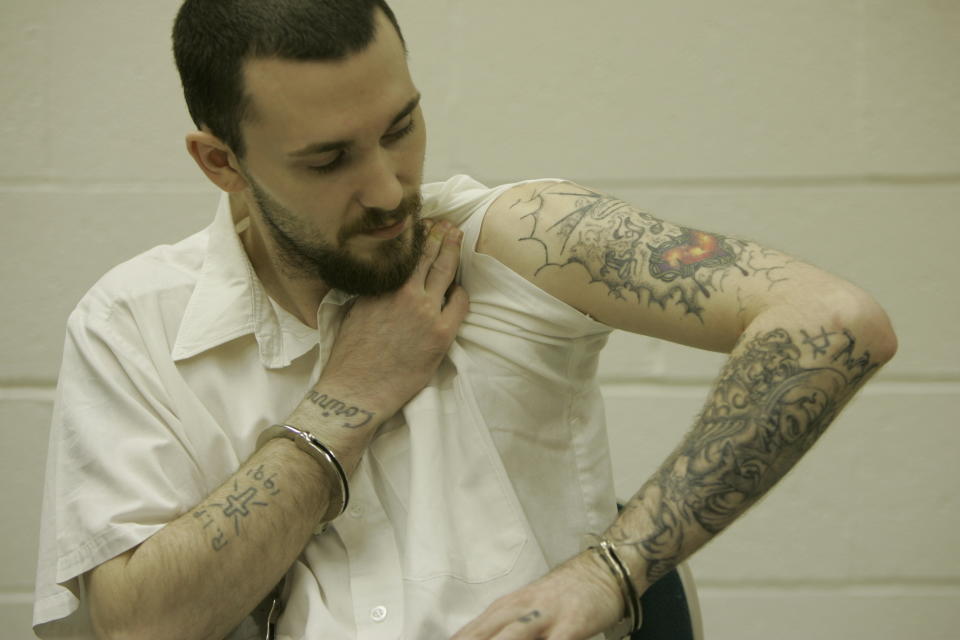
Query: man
[{"x": 435, "y": 462}]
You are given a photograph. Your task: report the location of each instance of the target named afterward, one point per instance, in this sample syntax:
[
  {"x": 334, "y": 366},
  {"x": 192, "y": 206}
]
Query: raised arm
[
  {"x": 201, "y": 574},
  {"x": 801, "y": 343}
]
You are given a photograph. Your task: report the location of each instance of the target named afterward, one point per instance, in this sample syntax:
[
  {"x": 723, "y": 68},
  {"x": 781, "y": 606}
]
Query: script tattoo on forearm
[
  {"x": 223, "y": 520},
  {"x": 333, "y": 407},
  {"x": 764, "y": 413},
  {"x": 639, "y": 257}
]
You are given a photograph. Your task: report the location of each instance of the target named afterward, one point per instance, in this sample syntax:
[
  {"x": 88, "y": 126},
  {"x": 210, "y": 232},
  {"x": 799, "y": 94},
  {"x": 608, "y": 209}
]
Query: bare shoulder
[
  {"x": 512, "y": 233},
  {"x": 509, "y": 225}
]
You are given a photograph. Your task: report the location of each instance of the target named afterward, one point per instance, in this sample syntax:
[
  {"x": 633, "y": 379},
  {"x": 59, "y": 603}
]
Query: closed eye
[
  {"x": 341, "y": 157},
  {"x": 331, "y": 166},
  {"x": 402, "y": 133}
]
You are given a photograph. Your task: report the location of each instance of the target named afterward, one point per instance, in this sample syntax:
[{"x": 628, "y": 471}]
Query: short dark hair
[{"x": 212, "y": 39}]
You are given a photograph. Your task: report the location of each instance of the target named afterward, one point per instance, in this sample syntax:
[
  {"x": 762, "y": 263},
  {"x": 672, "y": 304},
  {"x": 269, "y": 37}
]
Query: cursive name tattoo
[{"x": 356, "y": 417}]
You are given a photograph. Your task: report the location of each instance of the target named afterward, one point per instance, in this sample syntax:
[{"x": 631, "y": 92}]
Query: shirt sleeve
[
  {"x": 495, "y": 289},
  {"x": 118, "y": 468}
]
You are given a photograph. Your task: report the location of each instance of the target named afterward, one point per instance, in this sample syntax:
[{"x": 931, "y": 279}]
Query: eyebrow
[{"x": 323, "y": 147}]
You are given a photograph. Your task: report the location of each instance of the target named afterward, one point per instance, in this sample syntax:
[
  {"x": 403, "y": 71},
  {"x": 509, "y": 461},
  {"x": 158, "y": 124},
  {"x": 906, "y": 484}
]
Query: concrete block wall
[{"x": 827, "y": 128}]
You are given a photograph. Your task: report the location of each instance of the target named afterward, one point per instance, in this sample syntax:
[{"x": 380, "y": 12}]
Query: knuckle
[
  {"x": 433, "y": 241},
  {"x": 444, "y": 269}
]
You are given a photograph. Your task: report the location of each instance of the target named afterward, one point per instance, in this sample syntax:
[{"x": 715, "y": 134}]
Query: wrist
[
  {"x": 370, "y": 395},
  {"x": 336, "y": 477},
  {"x": 349, "y": 404},
  {"x": 593, "y": 577},
  {"x": 618, "y": 580}
]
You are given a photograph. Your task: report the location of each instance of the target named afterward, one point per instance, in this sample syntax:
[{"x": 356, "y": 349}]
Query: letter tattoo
[
  {"x": 334, "y": 407},
  {"x": 235, "y": 507}
]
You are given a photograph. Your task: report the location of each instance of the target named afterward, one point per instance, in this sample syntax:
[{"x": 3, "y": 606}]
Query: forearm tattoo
[
  {"x": 223, "y": 520},
  {"x": 355, "y": 416},
  {"x": 637, "y": 256},
  {"x": 764, "y": 412}
]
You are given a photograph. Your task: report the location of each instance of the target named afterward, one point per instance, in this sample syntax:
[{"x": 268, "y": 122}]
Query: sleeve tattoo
[
  {"x": 765, "y": 411},
  {"x": 776, "y": 395},
  {"x": 637, "y": 256}
]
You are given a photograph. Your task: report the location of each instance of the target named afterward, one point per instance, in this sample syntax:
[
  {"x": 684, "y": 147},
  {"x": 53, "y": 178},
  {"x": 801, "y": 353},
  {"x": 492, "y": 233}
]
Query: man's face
[{"x": 334, "y": 163}]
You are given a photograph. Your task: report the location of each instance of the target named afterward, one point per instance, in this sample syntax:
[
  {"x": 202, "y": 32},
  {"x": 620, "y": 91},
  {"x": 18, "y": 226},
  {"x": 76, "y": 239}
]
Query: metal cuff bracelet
[
  {"x": 631, "y": 598},
  {"x": 309, "y": 444}
]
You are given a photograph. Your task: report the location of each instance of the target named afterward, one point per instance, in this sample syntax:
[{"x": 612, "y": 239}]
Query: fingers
[
  {"x": 530, "y": 626},
  {"x": 506, "y": 625},
  {"x": 436, "y": 231},
  {"x": 444, "y": 268},
  {"x": 457, "y": 305},
  {"x": 441, "y": 257}
]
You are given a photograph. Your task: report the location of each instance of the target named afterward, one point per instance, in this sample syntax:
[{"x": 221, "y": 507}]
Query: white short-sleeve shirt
[{"x": 176, "y": 360}]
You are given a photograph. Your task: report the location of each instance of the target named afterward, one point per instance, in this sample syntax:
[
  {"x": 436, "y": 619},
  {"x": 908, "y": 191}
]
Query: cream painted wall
[{"x": 828, "y": 128}]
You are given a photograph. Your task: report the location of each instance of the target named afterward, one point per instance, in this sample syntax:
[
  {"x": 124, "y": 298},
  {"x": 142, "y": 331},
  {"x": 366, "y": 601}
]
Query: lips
[
  {"x": 384, "y": 227},
  {"x": 390, "y": 231}
]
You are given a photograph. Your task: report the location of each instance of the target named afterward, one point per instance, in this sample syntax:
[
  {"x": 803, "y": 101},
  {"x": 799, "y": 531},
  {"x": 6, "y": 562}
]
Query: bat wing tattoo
[{"x": 637, "y": 256}]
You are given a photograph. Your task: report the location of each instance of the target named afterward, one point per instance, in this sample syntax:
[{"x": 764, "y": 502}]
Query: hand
[
  {"x": 577, "y": 600},
  {"x": 390, "y": 345}
]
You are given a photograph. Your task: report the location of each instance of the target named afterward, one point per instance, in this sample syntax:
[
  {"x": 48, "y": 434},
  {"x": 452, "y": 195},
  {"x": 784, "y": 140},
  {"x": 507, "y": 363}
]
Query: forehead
[{"x": 295, "y": 102}]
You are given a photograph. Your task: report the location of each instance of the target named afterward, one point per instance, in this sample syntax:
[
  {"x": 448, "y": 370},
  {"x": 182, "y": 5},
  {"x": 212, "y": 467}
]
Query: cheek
[
  {"x": 413, "y": 157},
  {"x": 422, "y": 136},
  {"x": 319, "y": 211}
]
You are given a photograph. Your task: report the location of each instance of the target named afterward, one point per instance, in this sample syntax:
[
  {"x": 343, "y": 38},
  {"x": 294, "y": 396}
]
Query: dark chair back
[{"x": 666, "y": 612}]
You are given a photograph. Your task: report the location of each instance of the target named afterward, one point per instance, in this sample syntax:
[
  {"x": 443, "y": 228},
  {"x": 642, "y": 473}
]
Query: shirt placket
[{"x": 375, "y": 577}]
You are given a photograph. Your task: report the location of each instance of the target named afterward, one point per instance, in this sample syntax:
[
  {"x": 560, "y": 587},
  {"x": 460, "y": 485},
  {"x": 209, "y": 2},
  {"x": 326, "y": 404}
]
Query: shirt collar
[{"x": 229, "y": 301}]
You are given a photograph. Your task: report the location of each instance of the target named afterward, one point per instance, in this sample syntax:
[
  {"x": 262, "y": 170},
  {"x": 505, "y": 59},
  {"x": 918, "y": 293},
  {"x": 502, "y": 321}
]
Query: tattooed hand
[{"x": 577, "y": 600}]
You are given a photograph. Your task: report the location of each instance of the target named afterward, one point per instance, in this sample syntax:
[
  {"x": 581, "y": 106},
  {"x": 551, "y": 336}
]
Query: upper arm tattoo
[{"x": 637, "y": 256}]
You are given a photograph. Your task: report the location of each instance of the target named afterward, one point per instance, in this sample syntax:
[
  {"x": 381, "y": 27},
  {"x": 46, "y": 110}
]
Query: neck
[{"x": 300, "y": 296}]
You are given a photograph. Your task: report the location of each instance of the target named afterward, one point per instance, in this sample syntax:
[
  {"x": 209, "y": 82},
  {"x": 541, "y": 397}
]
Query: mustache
[{"x": 380, "y": 218}]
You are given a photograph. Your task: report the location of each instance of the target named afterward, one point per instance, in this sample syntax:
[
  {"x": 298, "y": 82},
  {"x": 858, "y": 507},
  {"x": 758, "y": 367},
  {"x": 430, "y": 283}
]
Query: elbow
[
  {"x": 852, "y": 309},
  {"x": 116, "y": 609},
  {"x": 877, "y": 329},
  {"x": 890, "y": 344},
  {"x": 108, "y": 626},
  {"x": 116, "y": 629},
  {"x": 104, "y": 628}
]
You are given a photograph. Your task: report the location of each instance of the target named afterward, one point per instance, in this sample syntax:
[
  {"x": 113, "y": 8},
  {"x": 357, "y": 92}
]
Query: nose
[{"x": 380, "y": 188}]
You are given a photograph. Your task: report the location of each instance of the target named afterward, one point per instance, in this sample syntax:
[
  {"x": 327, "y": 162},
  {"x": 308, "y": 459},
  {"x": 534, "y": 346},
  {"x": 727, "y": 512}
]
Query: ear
[{"x": 216, "y": 160}]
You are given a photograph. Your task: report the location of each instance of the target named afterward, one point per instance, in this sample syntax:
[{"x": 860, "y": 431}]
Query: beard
[{"x": 302, "y": 254}]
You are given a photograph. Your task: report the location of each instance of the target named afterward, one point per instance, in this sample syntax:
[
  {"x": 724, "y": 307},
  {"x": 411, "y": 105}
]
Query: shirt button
[
  {"x": 378, "y": 614},
  {"x": 356, "y": 511}
]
